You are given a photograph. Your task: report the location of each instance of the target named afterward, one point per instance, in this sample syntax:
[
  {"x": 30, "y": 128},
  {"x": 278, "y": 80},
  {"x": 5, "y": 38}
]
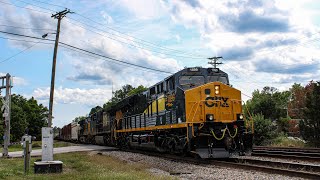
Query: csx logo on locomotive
[{"x": 216, "y": 101}]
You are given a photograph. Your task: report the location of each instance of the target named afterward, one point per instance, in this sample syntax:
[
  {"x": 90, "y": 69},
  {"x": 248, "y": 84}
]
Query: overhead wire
[
  {"x": 27, "y": 36},
  {"x": 139, "y": 39},
  {"x": 87, "y": 54},
  {"x": 44, "y": 2},
  {"x": 117, "y": 60},
  {"x": 106, "y": 26},
  {"x": 27, "y": 28},
  {"x": 20, "y": 52},
  {"x": 125, "y": 36},
  {"x": 98, "y": 22},
  {"x": 24, "y": 7},
  {"x": 36, "y": 5},
  {"x": 133, "y": 45},
  {"x": 22, "y": 40},
  {"x": 90, "y": 52}
]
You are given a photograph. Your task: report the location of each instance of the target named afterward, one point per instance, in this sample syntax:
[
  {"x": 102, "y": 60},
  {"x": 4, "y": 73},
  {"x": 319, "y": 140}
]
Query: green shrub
[{"x": 264, "y": 130}]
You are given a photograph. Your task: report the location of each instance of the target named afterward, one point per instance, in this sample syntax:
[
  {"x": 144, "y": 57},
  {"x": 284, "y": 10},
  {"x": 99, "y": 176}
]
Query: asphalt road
[{"x": 79, "y": 148}]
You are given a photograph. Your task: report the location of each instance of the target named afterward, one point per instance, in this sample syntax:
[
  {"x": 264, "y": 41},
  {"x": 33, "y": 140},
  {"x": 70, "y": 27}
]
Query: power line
[
  {"x": 136, "y": 65},
  {"x": 22, "y": 35},
  {"x": 20, "y": 52},
  {"x": 44, "y": 2},
  {"x": 133, "y": 45},
  {"x": 24, "y": 40},
  {"x": 36, "y": 5},
  {"x": 87, "y": 54},
  {"x": 24, "y": 7},
  {"x": 131, "y": 38},
  {"x": 90, "y": 52},
  {"x": 144, "y": 41},
  {"x": 26, "y": 27},
  {"x": 104, "y": 25}
]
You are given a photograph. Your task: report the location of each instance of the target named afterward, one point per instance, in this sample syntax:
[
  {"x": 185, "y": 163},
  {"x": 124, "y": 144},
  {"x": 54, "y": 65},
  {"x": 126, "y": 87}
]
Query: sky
[{"x": 263, "y": 43}]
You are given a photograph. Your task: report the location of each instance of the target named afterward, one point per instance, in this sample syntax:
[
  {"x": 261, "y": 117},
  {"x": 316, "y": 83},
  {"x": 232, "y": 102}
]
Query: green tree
[
  {"x": 121, "y": 94},
  {"x": 283, "y": 125},
  {"x": 297, "y": 101},
  {"x": 37, "y": 116},
  {"x": 56, "y": 131},
  {"x": 263, "y": 103},
  {"x": 95, "y": 109},
  {"x": 18, "y": 121},
  {"x": 310, "y": 125},
  {"x": 26, "y": 114},
  {"x": 77, "y": 119},
  {"x": 263, "y": 130},
  {"x": 272, "y": 104},
  {"x": 137, "y": 90}
]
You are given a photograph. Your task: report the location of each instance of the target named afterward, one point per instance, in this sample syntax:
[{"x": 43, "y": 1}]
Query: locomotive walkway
[{"x": 59, "y": 150}]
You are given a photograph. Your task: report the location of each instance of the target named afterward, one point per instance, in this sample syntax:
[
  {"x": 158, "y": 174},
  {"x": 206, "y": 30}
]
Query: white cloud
[
  {"x": 90, "y": 97},
  {"x": 107, "y": 17},
  {"x": 234, "y": 30},
  {"x": 143, "y": 9}
]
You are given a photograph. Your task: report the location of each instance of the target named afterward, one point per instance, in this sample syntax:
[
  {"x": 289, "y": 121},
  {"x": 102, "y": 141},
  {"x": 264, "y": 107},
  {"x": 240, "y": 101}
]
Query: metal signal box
[{"x": 47, "y": 144}]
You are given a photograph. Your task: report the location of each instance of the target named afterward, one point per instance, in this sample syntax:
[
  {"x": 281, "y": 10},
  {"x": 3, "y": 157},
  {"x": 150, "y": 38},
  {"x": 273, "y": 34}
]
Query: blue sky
[{"x": 264, "y": 43}]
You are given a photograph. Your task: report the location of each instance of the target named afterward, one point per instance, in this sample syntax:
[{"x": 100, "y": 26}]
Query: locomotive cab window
[
  {"x": 222, "y": 79},
  {"x": 187, "y": 82},
  {"x": 170, "y": 84},
  {"x": 152, "y": 91}
]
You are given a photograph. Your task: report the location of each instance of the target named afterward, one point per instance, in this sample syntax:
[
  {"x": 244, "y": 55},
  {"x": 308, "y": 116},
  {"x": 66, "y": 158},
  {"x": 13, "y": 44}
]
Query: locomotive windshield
[
  {"x": 222, "y": 79},
  {"x": 188, "y": 82}
]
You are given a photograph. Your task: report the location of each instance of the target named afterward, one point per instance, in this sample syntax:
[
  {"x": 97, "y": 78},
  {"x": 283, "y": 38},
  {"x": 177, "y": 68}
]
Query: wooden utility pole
[
  {"x": 213, "y": 61},
  {"x": 6, "y": 109},
  {"x": 58, "y": 16}
]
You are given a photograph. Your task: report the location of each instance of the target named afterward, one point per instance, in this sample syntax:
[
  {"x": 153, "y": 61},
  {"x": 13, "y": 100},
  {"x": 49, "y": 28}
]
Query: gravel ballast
[{"x": 181, "y": 170}]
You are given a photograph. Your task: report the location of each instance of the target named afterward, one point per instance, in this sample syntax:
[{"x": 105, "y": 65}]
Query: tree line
[{"x": 273, "y": 112}]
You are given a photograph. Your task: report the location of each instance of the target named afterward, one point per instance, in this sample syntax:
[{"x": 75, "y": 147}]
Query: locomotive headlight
[
  {"x": 216, "y": 89},
  {"x": 241, "y": 116},
  {"x": 210, "y": 117}
]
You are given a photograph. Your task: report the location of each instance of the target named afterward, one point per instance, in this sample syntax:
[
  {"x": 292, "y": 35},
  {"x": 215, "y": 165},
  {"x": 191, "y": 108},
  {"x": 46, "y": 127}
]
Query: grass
[
  {"x": 37, "y": 145},
  {"x": 283, "y": 141},
  {"x": 80, "y": 165}
]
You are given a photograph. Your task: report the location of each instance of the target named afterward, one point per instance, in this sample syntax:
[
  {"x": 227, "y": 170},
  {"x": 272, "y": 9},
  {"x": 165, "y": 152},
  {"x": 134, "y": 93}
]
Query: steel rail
[
  {"x": 283, "y": 168},
  {"x": 294, "y": 153}
]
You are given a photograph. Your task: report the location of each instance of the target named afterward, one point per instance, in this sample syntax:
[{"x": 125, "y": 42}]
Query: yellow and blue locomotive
[{"x": 195, "y": 110}]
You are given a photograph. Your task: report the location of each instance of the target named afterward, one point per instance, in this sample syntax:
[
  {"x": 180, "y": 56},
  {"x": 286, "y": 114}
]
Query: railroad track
[
  {"x": 273, "y": 167},
  {"x": 284, "y": 152}
]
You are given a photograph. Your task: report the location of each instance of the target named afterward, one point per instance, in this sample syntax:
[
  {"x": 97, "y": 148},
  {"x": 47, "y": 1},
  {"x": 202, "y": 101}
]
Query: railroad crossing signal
[{"x": 6, "y": 83}]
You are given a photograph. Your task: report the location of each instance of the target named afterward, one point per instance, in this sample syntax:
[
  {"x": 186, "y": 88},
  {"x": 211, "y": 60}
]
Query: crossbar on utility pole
[
  {"x": 213, "y": 61},
  {"x": 58, "y": 16}
]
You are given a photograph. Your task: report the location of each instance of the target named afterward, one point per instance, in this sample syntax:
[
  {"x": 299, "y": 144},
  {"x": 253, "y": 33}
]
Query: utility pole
[
  {"x": 58, "y": 16},
  {"x": 213, "y": 61},
  {"x": 6, "y": 107}
]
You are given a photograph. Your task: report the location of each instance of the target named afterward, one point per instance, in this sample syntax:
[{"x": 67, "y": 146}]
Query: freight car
[
  {"x": 70, "y": 132},
  {"x": 66, "y": 133},
  {"x": 195, "y": 110}
]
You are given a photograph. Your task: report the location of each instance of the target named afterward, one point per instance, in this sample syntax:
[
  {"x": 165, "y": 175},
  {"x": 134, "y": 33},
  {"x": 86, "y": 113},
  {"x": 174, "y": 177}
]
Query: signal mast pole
[
  {"x": 6, "y": 107},
  {"x": 213, "y": 61}
]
